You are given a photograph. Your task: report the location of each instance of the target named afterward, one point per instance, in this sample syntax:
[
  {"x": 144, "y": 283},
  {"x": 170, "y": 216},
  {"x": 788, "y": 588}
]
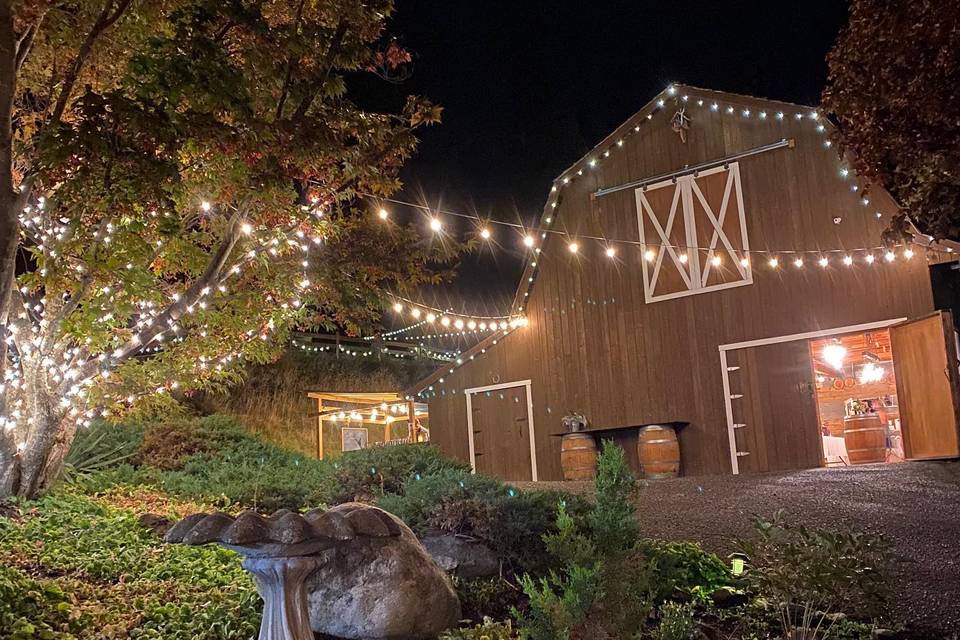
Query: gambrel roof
[{"x": 743, "y": 106}]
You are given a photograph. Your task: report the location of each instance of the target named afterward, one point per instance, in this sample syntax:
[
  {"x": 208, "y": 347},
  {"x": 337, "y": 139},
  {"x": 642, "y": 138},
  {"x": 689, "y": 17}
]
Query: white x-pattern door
[{"x": 693, "y": 234}]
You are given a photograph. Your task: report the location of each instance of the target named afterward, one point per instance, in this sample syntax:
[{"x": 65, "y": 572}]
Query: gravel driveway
[{"x": 916, "y": 506}]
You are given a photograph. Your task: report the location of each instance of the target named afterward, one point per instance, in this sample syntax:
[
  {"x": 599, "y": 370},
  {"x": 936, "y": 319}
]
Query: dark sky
[{"x": 529, "y": 87}]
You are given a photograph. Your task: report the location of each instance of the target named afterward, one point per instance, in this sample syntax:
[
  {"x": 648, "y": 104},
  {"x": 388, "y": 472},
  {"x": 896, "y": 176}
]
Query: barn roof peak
[{"x": 633, "y": 124}]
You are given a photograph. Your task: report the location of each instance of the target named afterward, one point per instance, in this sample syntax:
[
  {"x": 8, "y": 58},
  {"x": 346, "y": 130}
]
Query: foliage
[
  {"x": 368, "y": 474},
  {"x": 676, "y": 622},
  {"x": 512, "y": 523},
  {"x": 487, "y": 597},
  {"x": 809, "y": 573},
  {"x": 613, "y": 518},
  {"x": 488, "y": 629},
  {"x": 175, "y": 221},
  {"x": 682, "y": 568},
  {"x": 121, "y": 579},
  {"x": 892, "y": 86},
  {"x": 101, "y": 446},
  {"x": 31, "y": 609}
]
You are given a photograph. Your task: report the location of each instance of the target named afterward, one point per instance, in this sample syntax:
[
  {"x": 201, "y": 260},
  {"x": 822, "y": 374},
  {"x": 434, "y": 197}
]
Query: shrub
[
  {"x": 101, "y": 446},
  {"x": 809, "y": 572},
  {"x": 486, "y": 630},
  {"x": 369, "y": 474},
  {"x": 676, "y": 622},
  {"x": 490, "y": 597},
  {"x": 613, "y": 518},
  {"x": 682, "y": 568},
  {"x": 512, "y": 523}
]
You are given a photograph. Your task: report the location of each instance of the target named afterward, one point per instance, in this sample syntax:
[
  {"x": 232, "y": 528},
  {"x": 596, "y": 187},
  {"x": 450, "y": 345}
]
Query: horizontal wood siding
[{"x": 592, "y": 344}]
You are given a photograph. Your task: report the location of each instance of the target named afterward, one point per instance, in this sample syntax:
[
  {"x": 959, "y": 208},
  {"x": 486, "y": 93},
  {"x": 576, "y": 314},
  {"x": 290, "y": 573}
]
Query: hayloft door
[
  {"x": 925, "y": 362},
  {"x": 501, "y": 431}
]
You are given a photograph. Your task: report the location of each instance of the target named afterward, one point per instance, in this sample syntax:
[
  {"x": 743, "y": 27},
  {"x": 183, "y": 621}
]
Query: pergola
[{"x": 347, "y": 409}]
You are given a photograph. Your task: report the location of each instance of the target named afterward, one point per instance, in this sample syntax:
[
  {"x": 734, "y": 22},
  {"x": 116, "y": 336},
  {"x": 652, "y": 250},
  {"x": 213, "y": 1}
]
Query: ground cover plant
[{"x": 84, "y": 562}]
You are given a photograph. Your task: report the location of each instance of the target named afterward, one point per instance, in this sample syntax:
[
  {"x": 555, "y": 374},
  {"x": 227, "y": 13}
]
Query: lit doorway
[{"x": 857, "y": 405}]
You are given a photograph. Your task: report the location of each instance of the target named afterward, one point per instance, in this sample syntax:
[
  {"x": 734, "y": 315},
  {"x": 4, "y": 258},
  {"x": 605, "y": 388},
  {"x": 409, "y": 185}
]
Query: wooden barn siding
[{"x": 593, "y": 345}]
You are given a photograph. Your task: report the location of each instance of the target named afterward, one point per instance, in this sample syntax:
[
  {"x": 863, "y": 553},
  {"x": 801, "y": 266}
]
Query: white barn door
[{"x": 693, "y": 234}]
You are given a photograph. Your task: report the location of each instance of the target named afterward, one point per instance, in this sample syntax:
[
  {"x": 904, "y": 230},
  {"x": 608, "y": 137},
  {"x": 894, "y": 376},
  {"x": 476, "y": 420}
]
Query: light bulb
[
  {"x": 573, "y": 247},
  {"x": 683, "y": 258},
  {"x": 890, "y": 256},
  {"x": 611, "y": 252},
  {"x": 847, "y": 260},
  {"x": 744, "y": 262},
  {"x": 398, "y": 307},
  {"x": 485, "y": 234},
  {"x": 908, "y": 254},
  {"x": 458, "y": 323},
  {"x": 205, "y": 205},
  {"x": 715, "y": 261},
  {"x": 649, "y": 255},
  {"x": 435, "y": 224},
  {"x": 445, "y": 321},
  {"x": 246, "y": 228},
  {"x": 431, "y": 317},
  {"x": 774, "y": 263},
  {"x": 798, "y": 262},
  {"x": 528, "y": 240},
  {"x": 383, "y": 213},
  {"x": 823, "y": 261},
  {"x": 870, "y": 258},
  {"x": 415, "y": 312}
]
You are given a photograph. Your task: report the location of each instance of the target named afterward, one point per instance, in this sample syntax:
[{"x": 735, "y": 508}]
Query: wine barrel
[
  {"x": 659, "y": 452},
  {"x": 865, "y": 438},
  {"x": 578, "y": 456}
]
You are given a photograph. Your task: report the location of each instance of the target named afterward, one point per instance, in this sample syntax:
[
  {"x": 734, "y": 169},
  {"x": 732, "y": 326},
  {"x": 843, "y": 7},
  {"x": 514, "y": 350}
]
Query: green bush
[
  {"x": 488, "y": 629},
  {"x": 512, "y": 523},
  {"x": 102, "y": 445},
  {"x": 808, "y": 572},
  {"x": 613, "y": 517},
  {"x": 369, "y": 474},
  {"x": 31, "y": 609},
  {"x": 682, "y": 568},
  {"x": 490, "y": 597},
  {"x": 676, "y": 622}
]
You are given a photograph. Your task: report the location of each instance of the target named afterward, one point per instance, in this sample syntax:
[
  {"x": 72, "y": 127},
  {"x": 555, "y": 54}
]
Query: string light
[
  {"x": 485, "y": 233},
  {"x": 383, "y": 213},
  {"x": 774, "y": 263},
  {"x": 573, "y": 247},
  {"x": 528, "y": 240},
  {"x": 436, "y": 224},
  {"x": 611, "y": 252}
]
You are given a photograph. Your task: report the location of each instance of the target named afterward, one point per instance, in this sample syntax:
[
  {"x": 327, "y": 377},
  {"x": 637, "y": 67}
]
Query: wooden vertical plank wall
[{"x": 594, "y": 346}]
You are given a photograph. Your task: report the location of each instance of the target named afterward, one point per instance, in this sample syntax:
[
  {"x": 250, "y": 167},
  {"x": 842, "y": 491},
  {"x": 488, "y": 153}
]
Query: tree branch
[{"x": 329, "y": 58}]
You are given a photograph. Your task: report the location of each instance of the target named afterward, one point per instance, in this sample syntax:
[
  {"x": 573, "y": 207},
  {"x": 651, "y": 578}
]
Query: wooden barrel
[
  {"x": 659, "y": 452},
  {"x": 578, "y": 456},
  {"x": 865, "y": 438}
]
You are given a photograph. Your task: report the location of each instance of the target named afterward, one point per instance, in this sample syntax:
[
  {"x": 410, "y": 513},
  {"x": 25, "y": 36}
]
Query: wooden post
[
  {"x": 411, "y": 421},
  {"x": 319, "y": 429},
  {"x": 386, "y": 430}
]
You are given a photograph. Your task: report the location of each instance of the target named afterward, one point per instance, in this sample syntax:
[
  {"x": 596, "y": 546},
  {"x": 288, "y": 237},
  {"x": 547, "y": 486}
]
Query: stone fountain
[{"x": 284, "y": 549}]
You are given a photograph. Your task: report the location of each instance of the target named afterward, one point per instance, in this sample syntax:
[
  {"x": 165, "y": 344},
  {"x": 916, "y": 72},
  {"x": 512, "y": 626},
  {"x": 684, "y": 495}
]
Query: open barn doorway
[
  {"x": 880, "y": 392},
  {"x": 857, "y": 404}
]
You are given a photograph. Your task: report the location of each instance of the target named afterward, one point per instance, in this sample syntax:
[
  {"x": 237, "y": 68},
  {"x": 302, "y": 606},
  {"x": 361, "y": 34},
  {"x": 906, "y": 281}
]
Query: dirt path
[{"x": 916, "y": 506}]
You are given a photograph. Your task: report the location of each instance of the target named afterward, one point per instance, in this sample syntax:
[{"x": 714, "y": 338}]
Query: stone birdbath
[{"x": 281, "y": 551}]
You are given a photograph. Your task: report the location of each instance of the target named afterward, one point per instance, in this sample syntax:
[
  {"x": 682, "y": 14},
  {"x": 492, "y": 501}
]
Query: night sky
[{"x": 529, "y": 87}]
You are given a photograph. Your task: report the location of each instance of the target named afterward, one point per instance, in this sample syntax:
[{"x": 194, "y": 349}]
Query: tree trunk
[
  {"x": 32, "y": 455},
  {"x": 9, "y": 203},
  {"x": 51, "y": 435}
]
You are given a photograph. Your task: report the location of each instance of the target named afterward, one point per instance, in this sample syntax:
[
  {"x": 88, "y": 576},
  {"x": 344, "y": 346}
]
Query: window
[{"x": 693, "y": 234}]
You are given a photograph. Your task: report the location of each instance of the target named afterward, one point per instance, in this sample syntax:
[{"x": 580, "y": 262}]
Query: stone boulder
[
  {"x": 463, "y": 557},
  {"x": 380, "y": 588}
]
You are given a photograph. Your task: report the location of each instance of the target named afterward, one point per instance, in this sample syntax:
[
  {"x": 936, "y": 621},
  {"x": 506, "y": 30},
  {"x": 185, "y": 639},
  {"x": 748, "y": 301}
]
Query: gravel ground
[{"x": 916, "y": 506}]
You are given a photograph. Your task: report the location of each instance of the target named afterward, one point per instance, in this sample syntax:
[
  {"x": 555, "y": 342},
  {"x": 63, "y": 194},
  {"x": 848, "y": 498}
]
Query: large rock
[
  {"x": 461, "y": 556},
  {"x": 380, "y": 588}
]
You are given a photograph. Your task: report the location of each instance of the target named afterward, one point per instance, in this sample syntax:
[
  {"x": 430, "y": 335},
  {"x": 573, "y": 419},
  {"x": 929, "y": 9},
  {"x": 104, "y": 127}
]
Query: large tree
[
  {"x": 189, "y": 202},
  {"x": 893, "y": 78}
]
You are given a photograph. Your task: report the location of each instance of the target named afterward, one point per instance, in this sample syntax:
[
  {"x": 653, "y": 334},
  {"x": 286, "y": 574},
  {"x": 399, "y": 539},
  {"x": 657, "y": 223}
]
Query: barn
[{"x": 713, "y": 264}]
